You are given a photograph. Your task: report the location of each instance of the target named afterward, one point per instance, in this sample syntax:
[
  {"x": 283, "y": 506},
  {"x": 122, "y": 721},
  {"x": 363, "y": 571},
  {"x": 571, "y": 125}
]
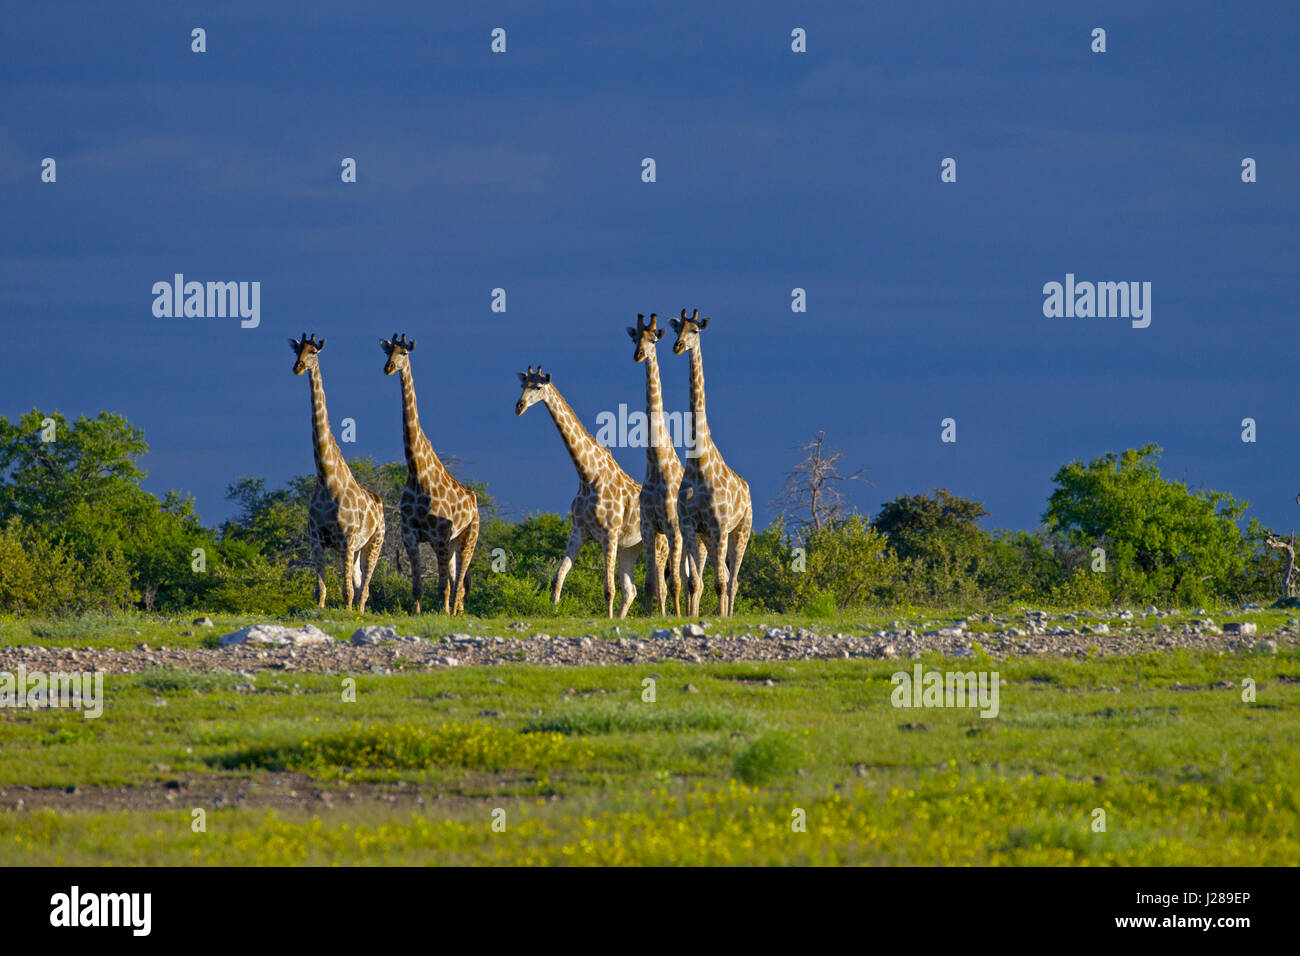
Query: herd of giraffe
[{"x": 696, "y": 514}]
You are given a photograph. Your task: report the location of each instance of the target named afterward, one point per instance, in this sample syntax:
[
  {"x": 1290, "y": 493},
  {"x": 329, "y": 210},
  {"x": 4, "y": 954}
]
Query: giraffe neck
[
  {"x": 329, "y": 461},
  {"x": 588, "y": 454},
  {"x": 699, "y": 423},
  {"x": 414, "y": 439},
  {"x": 660, "y": 450}
]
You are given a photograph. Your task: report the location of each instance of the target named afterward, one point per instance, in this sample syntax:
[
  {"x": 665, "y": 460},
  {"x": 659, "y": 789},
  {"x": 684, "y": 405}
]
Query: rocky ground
[{"x": 382, "y": 650}]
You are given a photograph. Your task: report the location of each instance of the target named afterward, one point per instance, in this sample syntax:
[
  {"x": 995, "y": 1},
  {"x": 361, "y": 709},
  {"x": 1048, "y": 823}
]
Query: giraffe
[
  {"x": 607, "y": 507},
  {"x": 714, "y": 501},
  {"x": 663, "y": 478},
  {"x": 435, "y": 506},
  {"x": 342, "y": 514}
]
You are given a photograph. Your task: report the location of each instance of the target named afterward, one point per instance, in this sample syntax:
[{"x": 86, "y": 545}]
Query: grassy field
[{"x": 586, "y": 772}]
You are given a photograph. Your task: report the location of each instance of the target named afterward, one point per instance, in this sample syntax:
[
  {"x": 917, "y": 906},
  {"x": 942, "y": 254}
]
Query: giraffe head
[
  {"x": 645, "y": 336},
  {"x": 397, "y": 351},
  {"x": 306, "y": 350},
  {"x": 536, "y": 387},
  {"x": 688, "y": 331}
]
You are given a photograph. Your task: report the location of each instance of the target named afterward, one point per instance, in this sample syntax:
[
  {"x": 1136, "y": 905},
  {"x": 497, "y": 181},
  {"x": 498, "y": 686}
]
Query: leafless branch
[{"x": 811, "y": 496}]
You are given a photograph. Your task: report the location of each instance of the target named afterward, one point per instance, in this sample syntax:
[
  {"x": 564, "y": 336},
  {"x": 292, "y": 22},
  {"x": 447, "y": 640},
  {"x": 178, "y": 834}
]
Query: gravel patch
[{"x": 775, "y": 644}]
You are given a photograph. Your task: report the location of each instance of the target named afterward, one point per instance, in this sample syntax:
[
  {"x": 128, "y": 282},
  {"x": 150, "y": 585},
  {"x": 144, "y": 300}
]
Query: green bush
[
  {"x": 765, "y": 760},
  {"x": 1163, "y": 541}
]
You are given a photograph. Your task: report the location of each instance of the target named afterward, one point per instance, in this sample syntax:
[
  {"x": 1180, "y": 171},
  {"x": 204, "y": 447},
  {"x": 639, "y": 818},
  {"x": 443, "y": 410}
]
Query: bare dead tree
[
  {"x": 811, "y": 496},
  {"x": 1289, "y": 576}
]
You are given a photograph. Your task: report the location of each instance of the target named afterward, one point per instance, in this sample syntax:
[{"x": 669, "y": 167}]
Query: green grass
[
  {"x": 1186, "y": 774},
  {"x": 385, "y": 751}
]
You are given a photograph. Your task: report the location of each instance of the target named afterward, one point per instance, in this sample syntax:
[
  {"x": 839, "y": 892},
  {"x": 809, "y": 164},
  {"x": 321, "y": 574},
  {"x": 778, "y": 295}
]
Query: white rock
[
  {"x": 664, "y": 633},
  {"x": 693, "y": 630},
  {"x": 374, "y": 634},
  {"x": 276, "y": 635},
  {"x": 1240, "y": 627}
]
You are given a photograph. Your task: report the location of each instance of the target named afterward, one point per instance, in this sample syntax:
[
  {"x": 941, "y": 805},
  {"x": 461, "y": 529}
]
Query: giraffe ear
[
  {"x": 676, "y": 324},
  {"x": 320, "y": 345},
  {"x": 659, "y": 334},
  {"x": 631, "y": 332},
  {"x": 387, "y": 346},
  {"x": 522, "y": 377},
  {"x": 704, "y": 322},
  {"x": 410, "y": 346},
  {"x": 548, "y": 378},
  {"x": 293, "y": 344}
]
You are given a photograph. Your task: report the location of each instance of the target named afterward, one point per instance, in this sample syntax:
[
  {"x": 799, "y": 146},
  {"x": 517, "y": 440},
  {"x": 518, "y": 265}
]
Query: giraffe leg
[
  {"x": 411, "y": 541},
  {"x": 695, "y": 548},
  {"x": 739, "y": 542},
  {"x": 626, "y": 566},
  {"x": 661, "y": 559},
  {"x": 688, "y": 569},
  {"x": 349, "y": 570},
  {"x": 370, "y": 553},
  {"x": 442, "y": 550},
  {"x": 576, "y": 541},
  {"x": 453, "y": 566},
  {"x": 718, "y": 551},
  {"x": 465, "y": 554},
  {"x": 610, "y": 547},
  {"x": 318, "y": 559},
  {"x": 648, "y": 534},
  {"x": 675, "y": 557}
]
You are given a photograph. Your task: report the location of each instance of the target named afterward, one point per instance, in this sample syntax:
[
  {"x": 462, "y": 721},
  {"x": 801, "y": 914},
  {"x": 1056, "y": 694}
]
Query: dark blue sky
[{"x": 775, "y": 170}]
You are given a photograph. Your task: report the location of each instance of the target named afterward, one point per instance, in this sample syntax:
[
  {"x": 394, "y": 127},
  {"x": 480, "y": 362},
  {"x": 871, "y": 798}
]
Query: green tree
[
  {"x": 1162, "y": 540},
  {"x": 1018, "y": 566},
  {"x": 76, "y": 486},
  {"x": 89, "y": 462},
  {"x": 938, "y": 538}
]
